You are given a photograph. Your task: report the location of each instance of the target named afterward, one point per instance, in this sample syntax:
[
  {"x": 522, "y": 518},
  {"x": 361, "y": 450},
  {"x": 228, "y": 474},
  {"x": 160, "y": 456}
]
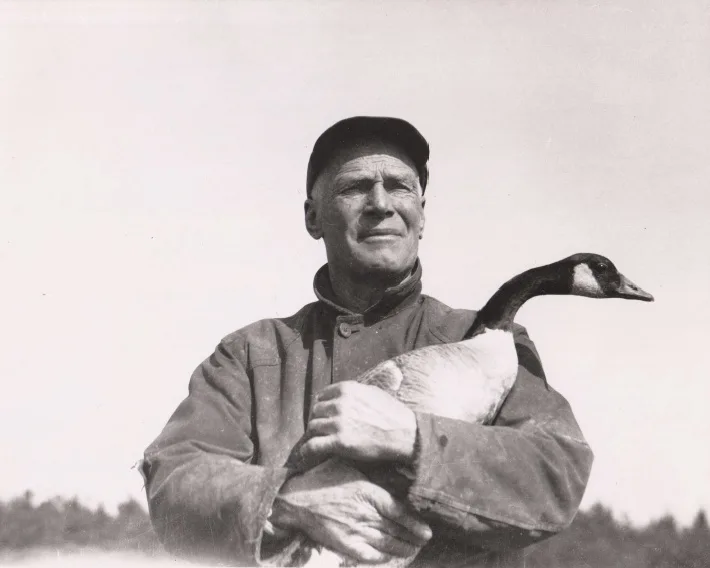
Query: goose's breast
[{"x": 467, "y": 380}]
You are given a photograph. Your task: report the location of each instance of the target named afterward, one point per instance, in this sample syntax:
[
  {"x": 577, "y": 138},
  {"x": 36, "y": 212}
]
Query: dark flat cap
[{"x": 359, "y": 128}]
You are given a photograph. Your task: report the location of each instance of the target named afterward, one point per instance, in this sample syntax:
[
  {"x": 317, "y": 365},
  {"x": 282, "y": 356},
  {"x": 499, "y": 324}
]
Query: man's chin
[{"x": 385, "y": 269}]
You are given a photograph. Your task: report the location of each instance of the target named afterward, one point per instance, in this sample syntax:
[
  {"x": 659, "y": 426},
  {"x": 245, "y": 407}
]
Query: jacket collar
[{"x": 395, "y": 299}]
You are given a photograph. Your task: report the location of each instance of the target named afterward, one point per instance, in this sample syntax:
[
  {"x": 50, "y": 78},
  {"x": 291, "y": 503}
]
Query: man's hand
[
  {"x": 359, "y": 422},
  {"x": 336, "y": 506}
]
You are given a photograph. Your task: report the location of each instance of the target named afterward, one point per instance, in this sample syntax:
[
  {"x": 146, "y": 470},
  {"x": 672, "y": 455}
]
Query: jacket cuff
[
  {"x": 272, "y": 546},
  {"x": 422, "y": 495},
  {"x": 532, "y": 480}
]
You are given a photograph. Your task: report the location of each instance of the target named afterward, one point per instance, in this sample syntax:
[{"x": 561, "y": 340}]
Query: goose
[{"x": 470, "y": 379}]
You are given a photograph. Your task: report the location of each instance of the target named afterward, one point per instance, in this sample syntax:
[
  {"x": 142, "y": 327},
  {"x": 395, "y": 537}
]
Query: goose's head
[
  {"x": 596, "y": 276},
  {"x": 582, "y": 274}
]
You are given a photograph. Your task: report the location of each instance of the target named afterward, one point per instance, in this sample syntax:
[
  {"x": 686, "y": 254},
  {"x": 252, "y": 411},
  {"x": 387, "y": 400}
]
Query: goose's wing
[{"x": 468, "y": 380}]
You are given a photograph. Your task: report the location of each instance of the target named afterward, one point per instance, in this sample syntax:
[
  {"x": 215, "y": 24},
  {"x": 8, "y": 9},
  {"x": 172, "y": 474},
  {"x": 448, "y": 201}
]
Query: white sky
[{"x": 152, "y": 170}]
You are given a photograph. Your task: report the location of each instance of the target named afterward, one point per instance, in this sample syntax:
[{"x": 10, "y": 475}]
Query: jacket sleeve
[
  {"x": 206, "y": 500},
  {"x": 509, "y": 484}
]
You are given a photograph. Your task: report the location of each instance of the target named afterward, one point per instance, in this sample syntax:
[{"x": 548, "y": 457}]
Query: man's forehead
[
  {"x": 374, "y": 164},
  {"x": 372, "y": 155}
]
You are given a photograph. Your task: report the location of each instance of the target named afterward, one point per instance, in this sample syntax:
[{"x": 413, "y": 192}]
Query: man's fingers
[
  {"x": 404, "y": 534},
  {"x": 330, "y": 392},
  {"x": 395, "y": 540},
  {"x": 398, "y": 513},
  {"x": 320, "y": 427},
  {"x": 317, "y": 446},
  {"x": 359, "y": 549},
  {"x": 323, "y": 409},
  {"x": 363, "y": 552}
]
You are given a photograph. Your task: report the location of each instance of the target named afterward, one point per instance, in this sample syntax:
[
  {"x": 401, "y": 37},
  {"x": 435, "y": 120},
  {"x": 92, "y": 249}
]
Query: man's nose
[{"x": 379, "y": 201}]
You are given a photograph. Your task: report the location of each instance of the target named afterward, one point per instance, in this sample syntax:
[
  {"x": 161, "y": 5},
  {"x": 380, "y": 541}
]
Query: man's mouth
[{"x": 378, "y": 235}]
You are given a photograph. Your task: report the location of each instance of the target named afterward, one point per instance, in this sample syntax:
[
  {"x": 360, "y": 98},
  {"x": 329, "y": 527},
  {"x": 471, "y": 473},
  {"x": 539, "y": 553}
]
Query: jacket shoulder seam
[{"x": 242, "y": 335}]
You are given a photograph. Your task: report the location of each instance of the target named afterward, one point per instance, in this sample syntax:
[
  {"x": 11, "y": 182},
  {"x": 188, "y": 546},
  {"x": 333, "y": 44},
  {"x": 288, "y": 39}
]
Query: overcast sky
[{"x": 152, "y": 173}]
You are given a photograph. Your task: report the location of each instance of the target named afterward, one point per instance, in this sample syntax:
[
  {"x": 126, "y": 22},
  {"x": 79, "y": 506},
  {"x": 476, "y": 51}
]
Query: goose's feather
[{"x": 466, "y": 380}]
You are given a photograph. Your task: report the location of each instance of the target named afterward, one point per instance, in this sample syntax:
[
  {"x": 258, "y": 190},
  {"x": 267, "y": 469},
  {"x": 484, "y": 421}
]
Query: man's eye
[
  {"x": 352, "y": 188},
  {"x": 398, "y": 186}
]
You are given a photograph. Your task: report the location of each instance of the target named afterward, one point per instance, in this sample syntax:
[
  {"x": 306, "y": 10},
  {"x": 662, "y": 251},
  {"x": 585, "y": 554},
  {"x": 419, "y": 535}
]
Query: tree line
[
  {"x": 66, "y": 524},
  {"x": 596, "y": 538}
]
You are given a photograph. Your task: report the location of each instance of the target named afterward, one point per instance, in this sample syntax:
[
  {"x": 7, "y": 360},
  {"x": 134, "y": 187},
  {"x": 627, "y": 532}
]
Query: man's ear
[
  {"x": 312, "y": 219},
  {"x": 422, "y": 221}
]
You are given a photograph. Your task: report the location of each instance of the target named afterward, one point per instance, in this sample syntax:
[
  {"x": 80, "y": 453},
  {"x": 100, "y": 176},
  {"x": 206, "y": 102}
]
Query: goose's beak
[{"x": 629, "y": 291}]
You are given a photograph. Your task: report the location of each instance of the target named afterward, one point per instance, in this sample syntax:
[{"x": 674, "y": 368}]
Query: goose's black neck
[{"x": 499, "y": 312}]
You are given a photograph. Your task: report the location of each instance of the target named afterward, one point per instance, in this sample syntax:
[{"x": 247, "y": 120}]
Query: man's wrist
[{"x": 283, "y": 515}]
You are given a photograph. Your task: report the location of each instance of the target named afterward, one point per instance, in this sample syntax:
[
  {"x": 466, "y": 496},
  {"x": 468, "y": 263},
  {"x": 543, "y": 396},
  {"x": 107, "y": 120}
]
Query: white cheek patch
[{"x": 584, "y": 283}]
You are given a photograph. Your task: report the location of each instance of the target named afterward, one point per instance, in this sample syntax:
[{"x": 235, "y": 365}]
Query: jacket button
[{"x": 345, "y": 330}]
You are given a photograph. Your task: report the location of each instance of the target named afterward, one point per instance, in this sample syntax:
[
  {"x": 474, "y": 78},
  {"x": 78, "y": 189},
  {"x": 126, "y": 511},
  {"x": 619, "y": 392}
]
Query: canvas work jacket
[{"x": 486, "y": 491}]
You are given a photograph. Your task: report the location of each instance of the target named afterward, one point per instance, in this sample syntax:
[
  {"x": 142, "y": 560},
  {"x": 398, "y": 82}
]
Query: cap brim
[{"x": 358, "y": 128}]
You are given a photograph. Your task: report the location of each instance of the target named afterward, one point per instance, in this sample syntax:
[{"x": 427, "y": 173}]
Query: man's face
[{"x": 368, "y": 207}]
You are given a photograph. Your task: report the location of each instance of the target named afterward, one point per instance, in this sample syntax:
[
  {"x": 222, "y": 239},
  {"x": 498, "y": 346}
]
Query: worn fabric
[{"x": 487, "y": 491}]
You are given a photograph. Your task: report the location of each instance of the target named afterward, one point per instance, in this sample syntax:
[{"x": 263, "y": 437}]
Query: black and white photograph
[{"x": 331, "y": 283}]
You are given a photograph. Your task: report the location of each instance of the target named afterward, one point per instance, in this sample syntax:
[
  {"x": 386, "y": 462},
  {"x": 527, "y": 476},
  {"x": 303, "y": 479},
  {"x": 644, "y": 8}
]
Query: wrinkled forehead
[{"x": 365, "y": 158}]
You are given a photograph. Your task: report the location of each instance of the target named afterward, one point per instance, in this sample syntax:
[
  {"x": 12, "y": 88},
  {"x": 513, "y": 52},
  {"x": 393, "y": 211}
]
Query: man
[{"x": 215, "y": 477}]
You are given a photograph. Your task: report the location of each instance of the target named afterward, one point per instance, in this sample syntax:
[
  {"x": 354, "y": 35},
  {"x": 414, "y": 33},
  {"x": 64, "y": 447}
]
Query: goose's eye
[{"x": 601, "y": 266}]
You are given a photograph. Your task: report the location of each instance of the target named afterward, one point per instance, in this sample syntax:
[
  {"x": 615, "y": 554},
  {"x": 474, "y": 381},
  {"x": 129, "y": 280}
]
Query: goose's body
[
  {"x": 466, "y": 380},
  {"x": 469, "y": 380}
]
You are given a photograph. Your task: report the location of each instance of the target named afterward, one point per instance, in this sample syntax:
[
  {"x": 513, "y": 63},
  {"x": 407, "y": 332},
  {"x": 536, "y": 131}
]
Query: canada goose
[{"x": 469, "y": 380}]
